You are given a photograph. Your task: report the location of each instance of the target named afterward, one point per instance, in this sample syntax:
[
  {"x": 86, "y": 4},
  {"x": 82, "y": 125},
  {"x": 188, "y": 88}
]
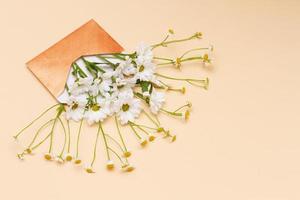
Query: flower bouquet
[{"x": 122, "y": 86}]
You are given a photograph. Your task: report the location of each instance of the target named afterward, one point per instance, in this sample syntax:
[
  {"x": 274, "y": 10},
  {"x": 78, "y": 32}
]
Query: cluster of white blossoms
[
  {"x": 106, "y": 90},
  {"x": 120, "y": 85}
]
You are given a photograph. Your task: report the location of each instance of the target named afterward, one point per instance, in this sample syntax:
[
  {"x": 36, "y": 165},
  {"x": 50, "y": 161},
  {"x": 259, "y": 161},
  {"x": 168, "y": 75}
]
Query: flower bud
[
  {"x": 143, "y": 142},
  {"x": 48, "y": 156},
  {"x": 28, "y": 150},
  {"x": 151, "y": 138},
  {"x": 129, "y": 168},
  {"x": 68, "y": 157},
  {"x": 171, "y": 31},
  {"x": 160, "y": 129},
  {"x": 173, "y": 139},
  {"x": 127, "y": 154},
  {"x": 187, "y": 115},
  {"x": 198, "y": 35},
  {"x": 77, "y": 161},
  {"x": 183, "y": 90},
  {"x": 110, "y": 165},
  {"x": 20, "y": 156},
  {"x": 89, "y": 169}
]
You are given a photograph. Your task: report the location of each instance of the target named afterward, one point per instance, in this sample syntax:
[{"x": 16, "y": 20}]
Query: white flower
[
  {"x": 156, "y": 101},
  {"x": 144, "y": 54},
  {"x": 81, "y": 86},
  {"x": 94, "y": 88},
  {"x": 127, "y": 107},
  {"x": 98, "y": 112},
  {"x": 145, "y": 72},
  {"x": 126, "y": 67},
  {"x": 76, "y": 107}
]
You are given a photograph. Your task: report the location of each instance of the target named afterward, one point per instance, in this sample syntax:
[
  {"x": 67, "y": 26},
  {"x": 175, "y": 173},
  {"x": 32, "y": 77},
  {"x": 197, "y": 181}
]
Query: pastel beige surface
[{"x": 243, "y": 138}]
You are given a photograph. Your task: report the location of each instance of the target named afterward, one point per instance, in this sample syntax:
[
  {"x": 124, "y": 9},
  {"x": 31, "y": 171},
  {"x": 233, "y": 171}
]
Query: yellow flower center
[
  {"x": 96, "y": 107},
  {"x": 125, "y": 107},
  {"x": 74, "y": 106},
  {"x": 142, "y": 68}
]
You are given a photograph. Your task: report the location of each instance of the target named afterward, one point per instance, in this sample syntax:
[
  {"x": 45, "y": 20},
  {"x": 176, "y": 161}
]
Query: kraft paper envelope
[{"x": 53, "y": 65}]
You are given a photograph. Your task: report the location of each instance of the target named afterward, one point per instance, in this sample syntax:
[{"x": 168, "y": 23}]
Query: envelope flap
[{"x": 53, "y": 65}]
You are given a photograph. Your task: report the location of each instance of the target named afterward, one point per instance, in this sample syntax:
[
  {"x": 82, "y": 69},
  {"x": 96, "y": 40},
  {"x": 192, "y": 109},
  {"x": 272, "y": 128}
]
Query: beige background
[{"x": 243, "y": 139}]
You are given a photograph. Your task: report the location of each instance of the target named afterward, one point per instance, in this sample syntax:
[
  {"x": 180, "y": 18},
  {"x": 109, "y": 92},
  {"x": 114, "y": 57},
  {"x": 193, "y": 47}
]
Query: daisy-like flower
[
  {"x": 126, "y": 67},
  {"x": 98, "y": 111},
  {"x": 81, "y": 86},
  {"x": 145, "y": 71},
  {"x": 127, "y": 107},
  {"x": 156, "y": 101},
  {"x": 144, "y": 54},
  {"x": 76, "y": 107}
]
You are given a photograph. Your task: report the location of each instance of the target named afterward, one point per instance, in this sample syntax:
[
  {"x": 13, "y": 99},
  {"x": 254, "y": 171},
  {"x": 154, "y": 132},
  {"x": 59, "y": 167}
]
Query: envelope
[{"x": 52, "y": 66}]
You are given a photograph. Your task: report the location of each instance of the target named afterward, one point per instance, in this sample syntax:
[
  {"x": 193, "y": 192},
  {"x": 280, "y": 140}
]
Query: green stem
[
  {"x": 41, "y": 142},
  {"x": 65, "y": 134},
  {"x": 143, "y": 126},
  {"x": 150, "y": 118},
  {"x": 78, "y": 138},
  {"x": 186, "y": 105},
  {"x": 135, "y": 131},
  {"x": 69, "y": 136},
  {"x": 165, "y": 43},
  {"x": 119, "y": 132},
  {"x": 171, "y": 113},
  {"x": 21, "y": 131},
  {"x": 105, "y": 142},
  {"x": 110, "y": 149},
  {"x": 95, "y": 147},
  {"x": 192, "y": 50},
  {"x": 38, "y": 132},
  {"x": 115, "y": 141}
]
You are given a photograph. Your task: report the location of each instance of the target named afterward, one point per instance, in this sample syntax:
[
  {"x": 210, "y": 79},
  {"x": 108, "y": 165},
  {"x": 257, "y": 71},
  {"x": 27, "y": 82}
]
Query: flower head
[
  {"x": 76, "y": 107},
  {"x": 156, "y": 101},
  {"x": 98, "y": 111},
  {"x": 127, "y": 107}
]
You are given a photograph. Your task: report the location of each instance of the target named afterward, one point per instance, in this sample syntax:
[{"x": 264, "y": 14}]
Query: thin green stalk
[
  {"x": 38, "y": 132},
  {"x": 105, "y": 142},
  {"x": 143, "y": 126},
  {"x": 165, "y": 43},
  {"x": 119, "y": 132},
  {"x": 41, "y": 142},
  {"x": 21, "y": 131},
  {"x": 192, "y": 50},
  {"x": 52, "y": 135},
  {"x": 171, "y": 113},
  {"x": 135, "y": 131},
  {"x": 150, "y": 118},
  {"x": 78, "y": 138},
  {"x": 115, "y": 141},
  {"x": 95, "y": 147},
  {"x": 69, "y": 136},
  {"x": 65, "y": 134},
  {"x": 186, "y": 105},
  {"x": 110, "y": 149}
]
